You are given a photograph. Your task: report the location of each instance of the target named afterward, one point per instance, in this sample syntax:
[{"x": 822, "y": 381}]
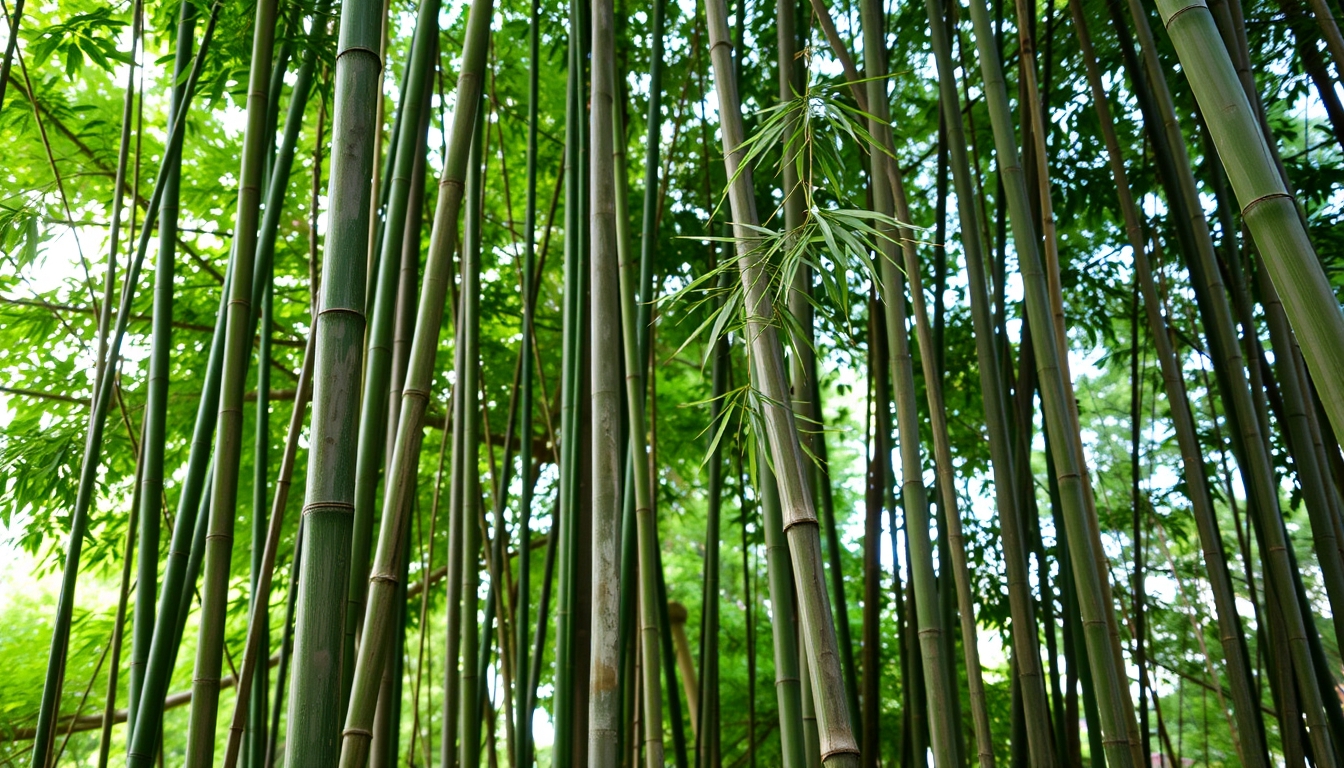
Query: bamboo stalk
[
  {"x": 708, "y": 740},
  {"x": 800, "y": 521},
  {"x": 610, "y": 294},
  {"x": 466, "y": 470},
  {"x": 522, "y": 609},
  {"x": 313, "y": 724}
]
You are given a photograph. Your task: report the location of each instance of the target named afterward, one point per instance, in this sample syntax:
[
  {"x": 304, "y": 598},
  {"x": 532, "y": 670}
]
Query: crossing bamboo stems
[
  {"x": 228, "y": 439},
  {"x": 1248, "y": 738},
  {"x": 401, "y": 476},
  {"x": 152, "y": 446},
  {"x": 258, "y": 617},
  {"x": 373, "y": 416},
  {"x": 60, "y": 639}
]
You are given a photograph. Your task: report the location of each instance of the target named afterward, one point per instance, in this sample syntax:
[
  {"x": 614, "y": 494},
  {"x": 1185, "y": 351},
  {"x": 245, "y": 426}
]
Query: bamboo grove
[{"x": 706, "y": 384}]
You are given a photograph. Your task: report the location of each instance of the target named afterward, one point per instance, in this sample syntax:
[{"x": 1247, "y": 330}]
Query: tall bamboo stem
[{"x": 781, "y": 433}]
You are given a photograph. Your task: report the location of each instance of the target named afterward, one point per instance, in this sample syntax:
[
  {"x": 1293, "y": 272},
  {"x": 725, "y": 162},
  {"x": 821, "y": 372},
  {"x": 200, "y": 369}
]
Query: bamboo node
[
  {"x": 361, "y": 49},
  {"x": 328, "y": 506},
  {"x": 359, "y": 313},
  {"x": 1246, "y": 209},
  {"x": 362, "y": 732}
]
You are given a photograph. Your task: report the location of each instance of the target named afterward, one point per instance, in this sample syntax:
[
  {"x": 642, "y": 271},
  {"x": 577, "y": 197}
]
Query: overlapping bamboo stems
[
  {"x": 1300, "y": 420},
  {"x": 373, "y": 415},
  {"x": 1249, "y": 737},
  {"x": 1287, "y": 252},
  {"x": 908, "y": 421},
  {"x": 228, "y": 437},
  {"x": 315, "y": 705},
  {"x": 146, "y": 563},
  {"x": 634, "y": 342},
  {"x": 254, "y": 712},
  {"x": 1054, "y": 391},
  {"x": 607, "y": 454},
  {"x": 766, "y": 358},
  {"x": 60, "y": 639},
  {"x": 819, "y": 445},
  {"x": 708, "y": 741},
  {"x": 1034, "y": 111},
  {"x": 258, "y": 614},
  {"x": 779, "y": 574},
  {"x": 255, "y": 736},
  {"x": 942, "y": 699},
  {"x": 156, "y": 404},
  {"x": 570, "y": 387},
  {"x": 802, "y": 371},
  {"x": 874, "y": 496},
  {"x": 522, "y": 608},
  {"x": 287, "y": 627},
  {"x": 401, "y": 476}
]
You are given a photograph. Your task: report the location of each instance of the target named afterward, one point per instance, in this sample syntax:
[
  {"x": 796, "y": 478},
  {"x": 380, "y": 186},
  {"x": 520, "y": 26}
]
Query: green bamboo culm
[
  {"x": 373, "y": 414},
  {"x": 779, "y": 573},
  {"x": 571, "y": 376},
  {"x": 314, "y": 714},
  {"x": 156, "y": 405},
  {"x": 522, "y": 608},
  {"x": 399, "y": 492},
  {"x": 801, "y": 526},
  {"x": 604, "y": 706},
  {"x": 45, "y": 729},
  {"x": 466, "y": 458},
  {"x": 1269, "y": 211},
  {"x": 228, "y": 436}
]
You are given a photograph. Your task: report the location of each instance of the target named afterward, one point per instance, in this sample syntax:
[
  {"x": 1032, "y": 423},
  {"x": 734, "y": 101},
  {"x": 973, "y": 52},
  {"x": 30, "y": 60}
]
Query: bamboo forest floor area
[{"x": 693, "y": 383}]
